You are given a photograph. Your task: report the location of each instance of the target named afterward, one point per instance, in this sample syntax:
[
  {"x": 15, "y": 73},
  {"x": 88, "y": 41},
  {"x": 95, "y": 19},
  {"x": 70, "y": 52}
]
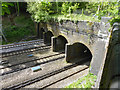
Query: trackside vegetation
[
  {"x": 85, "y": 82},
  {"x": 45, "y": 11},
  {"x": 91, "y": 11}
]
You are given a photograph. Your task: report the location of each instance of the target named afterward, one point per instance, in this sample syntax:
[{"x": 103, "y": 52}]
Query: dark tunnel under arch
[
  {"x": 42, "y": 31},
  {"x": 77, "y": 51},
  {"x": 47, "y": 37},
  {"x": 59, "y": 43}
]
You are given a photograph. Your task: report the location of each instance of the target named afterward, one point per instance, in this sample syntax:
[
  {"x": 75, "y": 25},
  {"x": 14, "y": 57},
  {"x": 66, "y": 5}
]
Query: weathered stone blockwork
[
  {"x": 112, "y": 64},
  {"x": 94, "y": 35}
]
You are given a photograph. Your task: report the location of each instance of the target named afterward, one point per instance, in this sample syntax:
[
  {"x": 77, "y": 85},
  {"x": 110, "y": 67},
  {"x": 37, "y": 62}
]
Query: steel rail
[
  {"x": 28, "y": 82},
  {"x": 47, "y": 61}
]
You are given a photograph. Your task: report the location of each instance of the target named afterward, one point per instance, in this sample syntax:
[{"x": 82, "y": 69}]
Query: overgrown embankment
[{"x": 23, "y": 29}]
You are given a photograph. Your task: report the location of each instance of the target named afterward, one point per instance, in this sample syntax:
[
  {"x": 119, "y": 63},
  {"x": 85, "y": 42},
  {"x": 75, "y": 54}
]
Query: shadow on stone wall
[
  {"x": 47, "y": 37},
  {"x": 77, "y": 52},
  {"x": 59, "y": 43}
]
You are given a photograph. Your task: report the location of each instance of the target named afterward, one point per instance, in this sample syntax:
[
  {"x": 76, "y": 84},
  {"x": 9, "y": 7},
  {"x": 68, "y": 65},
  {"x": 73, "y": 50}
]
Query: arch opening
[
  {"x": 47, "y": 37},
  {"x": 42, "y": 31},
  {"x": 61, "y": 42},
  {"x": 78, "y": 52}
]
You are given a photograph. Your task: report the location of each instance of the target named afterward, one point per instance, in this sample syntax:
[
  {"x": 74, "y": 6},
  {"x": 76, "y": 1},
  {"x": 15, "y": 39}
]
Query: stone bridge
[{"x": 78, "y": 40}]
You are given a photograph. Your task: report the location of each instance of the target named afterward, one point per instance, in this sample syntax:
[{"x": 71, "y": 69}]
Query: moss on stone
[{"x": 74, "y": 17}]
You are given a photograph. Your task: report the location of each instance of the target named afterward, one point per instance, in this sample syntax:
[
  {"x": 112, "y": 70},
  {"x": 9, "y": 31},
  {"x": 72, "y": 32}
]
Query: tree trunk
[{"x": 11, "y": 18}]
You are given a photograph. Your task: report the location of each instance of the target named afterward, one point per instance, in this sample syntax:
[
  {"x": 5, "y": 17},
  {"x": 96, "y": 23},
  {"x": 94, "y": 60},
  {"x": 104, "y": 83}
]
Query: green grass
[
  {"x": 75, "y": 17},
  {"x": 86, "y": 82},
  {"x": 14, "y": 33}
]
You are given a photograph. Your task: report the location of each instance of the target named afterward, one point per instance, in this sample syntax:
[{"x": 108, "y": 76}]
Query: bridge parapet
[{"x": 86, "y": 27}]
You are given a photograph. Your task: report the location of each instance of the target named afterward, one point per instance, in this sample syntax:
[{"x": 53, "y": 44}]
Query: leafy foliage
[
  {"x": 69, "y": 7},
  {"x": 14, "y": 33},
  {"x": 115, "y": 19},
  {"x": 86, "y": 82},
  {"x": 5, "y": 7},
  {"x": 103, "y": 8},
  {"x": 43, "y": 11},
  {"x": 74, "y": 17},
  {"x": 40, "y": 11},
  {"x": 9, "y": 8}
]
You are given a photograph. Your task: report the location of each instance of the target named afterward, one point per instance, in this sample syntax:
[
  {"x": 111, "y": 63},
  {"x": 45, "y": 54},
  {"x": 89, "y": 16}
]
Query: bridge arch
[
  {"x": 77, "y": 51},
  {"x": 42, "y": 31},
  {"x": 59, "y": 43},
  {"x": 65, "y": 36},
  {"x": 47, "y": 37}
]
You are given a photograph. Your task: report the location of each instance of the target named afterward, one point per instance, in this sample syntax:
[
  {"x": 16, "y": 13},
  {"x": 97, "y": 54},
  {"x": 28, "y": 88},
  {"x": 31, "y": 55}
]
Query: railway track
[
  {"x": 42, "y": 60},
  {"x": 47, "y": 75},
  {"x": 25, "y": 50},
  {"x": 63, "y": 78},
  {"x": 20, "y": 44},
  {"x": 21, "y": 47}
]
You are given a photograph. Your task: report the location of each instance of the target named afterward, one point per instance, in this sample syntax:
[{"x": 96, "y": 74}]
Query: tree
[
  {"x": 39, "y": 11},
  {"x": 6, "y": 10}
]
